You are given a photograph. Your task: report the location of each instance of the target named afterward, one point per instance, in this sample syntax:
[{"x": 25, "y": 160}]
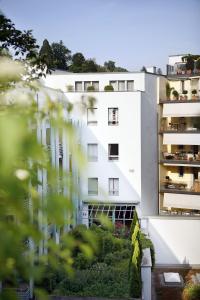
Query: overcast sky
[{"x": 133, "y": 33}]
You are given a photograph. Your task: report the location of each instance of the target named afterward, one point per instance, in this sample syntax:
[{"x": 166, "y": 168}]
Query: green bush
[
  {"x": 145, "y": 242},
  {"x": 108, "y": 88},
  {"x": 191, "y": 292},
  {"x": 90, "y": 88},
  {"x": 82, "y": 262},
  {"x": 175, "y": 94},
  {"x": 198, "y": 64},
  {"x": 135, "y": 282}
]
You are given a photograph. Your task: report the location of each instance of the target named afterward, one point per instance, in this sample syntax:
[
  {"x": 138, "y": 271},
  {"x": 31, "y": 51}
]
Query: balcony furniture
[
  {"x": 196, "y": 186},
  {"x": 169, "y": 184}
]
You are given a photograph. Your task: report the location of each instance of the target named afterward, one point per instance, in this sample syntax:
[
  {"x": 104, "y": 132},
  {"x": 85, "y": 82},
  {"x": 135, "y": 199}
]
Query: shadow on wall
[
  {"x": 163, "y": 253},
  {"x": 108, "y": 169}
]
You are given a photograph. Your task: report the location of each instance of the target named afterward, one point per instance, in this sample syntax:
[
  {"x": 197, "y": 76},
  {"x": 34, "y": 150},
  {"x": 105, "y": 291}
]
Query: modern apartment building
[
  {"x": 179, "y": 140},
  {"x": 119, "y": 138}
]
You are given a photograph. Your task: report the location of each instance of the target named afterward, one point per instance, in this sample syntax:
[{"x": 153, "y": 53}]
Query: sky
[{"x": 133, "y": 33}]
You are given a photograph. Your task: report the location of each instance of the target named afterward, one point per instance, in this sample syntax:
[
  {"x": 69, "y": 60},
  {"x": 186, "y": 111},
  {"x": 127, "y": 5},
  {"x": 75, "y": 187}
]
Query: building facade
[
  {"x": 179, "y": 140},
  {"x": 119, "y": 140}
]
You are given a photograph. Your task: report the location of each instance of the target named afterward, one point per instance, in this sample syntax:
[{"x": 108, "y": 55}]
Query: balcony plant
[
  {"x": 70, "y": 88},
  {"x": 198, "y": 65},
  {"x": 189, "y": 64},
  {"x": 185, "y": 92},
  {"x": 90, "y": 88},
  {"x": 108, "y": 88},
  {"x": 168, "y": 90},
  {"x": 194, "y": 94},
  {"x": 175, "y": 95}
]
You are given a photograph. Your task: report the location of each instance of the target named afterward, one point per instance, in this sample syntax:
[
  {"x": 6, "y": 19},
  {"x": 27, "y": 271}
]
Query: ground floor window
[{"x": 119, "y": 214}]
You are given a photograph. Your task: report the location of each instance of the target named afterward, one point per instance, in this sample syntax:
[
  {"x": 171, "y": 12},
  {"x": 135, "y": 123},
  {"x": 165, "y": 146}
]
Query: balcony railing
[
  {"x": 182, "y": 187},
  {"x": 181, "y": 71},
  {"x": 179, "y": 212},
  {"x": 180, "y": 157},
  {"x": 179, "y": 127}
]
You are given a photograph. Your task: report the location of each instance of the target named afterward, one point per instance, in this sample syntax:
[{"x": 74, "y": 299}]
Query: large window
[
  {"x": 86, "y": 85},
  {"x": 114, "y": 85},
  {"x": 113, "y": 184},
  {"x": 92, "y": 152},
  {"x": 121, "y": 85},
  {"x": 130, "y": 85},
  {"x": 78, "y": 86},
  {"x": 95, "y": 84},
  {"x": 92, "y": 116},
  {"x": 113, "y": 116},
  {"x": 113, "y": 151},
  {"x": 92, "y": 186}
]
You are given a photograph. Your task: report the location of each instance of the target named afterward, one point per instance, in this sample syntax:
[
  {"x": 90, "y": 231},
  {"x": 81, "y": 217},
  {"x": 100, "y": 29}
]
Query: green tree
[
  {"x": 77, "y": 63},
  {"x": 24, "y": 212},
  {"x": 109, "y": 65},
  {"x": 89, "y": 66},
  {"x": 21, "y": 42},
  {"x": 62, "y": 55},
  {"x": 46, "y": 54}
]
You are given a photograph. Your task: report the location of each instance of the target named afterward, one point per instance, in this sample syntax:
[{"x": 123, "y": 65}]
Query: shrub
[
  {"x": 108, "y": 88},
  {"x": 145, "y": 242},
  {"x": 185, "y": 92},
  {"x": 190, "y": 63},
  {"x": 70, "y": 88},
  {"x": 198, "y": 64},
  {"x": 191, "y": 292},
  {"x": 90, "y": 88},
  {"x": 194, "y": 92},
  {"x": 136, "y": 284},
  {"x": 82, "y": 262},
  {"x": 168, "y": 90}
]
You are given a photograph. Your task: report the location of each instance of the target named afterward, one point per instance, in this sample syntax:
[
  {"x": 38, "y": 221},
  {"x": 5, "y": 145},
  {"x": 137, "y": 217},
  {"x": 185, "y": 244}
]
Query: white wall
[
  {"x": 127, "y": 134},
  {"x": 176, "y": 240}
]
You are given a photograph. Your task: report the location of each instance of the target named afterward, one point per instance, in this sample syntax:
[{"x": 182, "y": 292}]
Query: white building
[{"x": 119, "y": 139}]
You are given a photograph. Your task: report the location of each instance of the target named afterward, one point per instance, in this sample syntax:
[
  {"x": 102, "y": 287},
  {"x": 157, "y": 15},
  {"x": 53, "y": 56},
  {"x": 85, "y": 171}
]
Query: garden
[{"x": 113, "y": 271}]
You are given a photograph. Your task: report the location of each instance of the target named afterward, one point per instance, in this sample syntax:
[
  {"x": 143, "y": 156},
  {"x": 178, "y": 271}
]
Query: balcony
[
  {"x": 185, "y": 108},
  {"x": 180, "y": 187},
  {"x": 180, "y": 158},
  {"x": 179, "y": 70}
]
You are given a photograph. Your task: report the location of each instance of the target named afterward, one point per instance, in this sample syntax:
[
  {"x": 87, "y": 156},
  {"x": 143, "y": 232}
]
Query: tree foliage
[
  {"x": 62, "y": 55},
  {"x": 46, "y": 54},
  {"x": 21, "y": 42}
]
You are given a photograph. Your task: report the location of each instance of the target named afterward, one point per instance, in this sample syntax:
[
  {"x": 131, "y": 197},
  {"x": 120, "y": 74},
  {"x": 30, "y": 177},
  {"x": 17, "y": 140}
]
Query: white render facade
[{"x": 119, "y": 140}]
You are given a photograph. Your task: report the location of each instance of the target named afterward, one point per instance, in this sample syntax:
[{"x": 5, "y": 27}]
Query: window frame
[
  {"x": 90, "y": 158},
  {"x": 111, "y": 122},
  {"x": 93, "y": 193},
  {"x": 113, "y": 192},
  {"x": 95, "y": 122},
  {"x": 110, "y": 156}
]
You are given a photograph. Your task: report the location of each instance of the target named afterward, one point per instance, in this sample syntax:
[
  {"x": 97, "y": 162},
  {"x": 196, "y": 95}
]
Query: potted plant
[
  {"x": 198, "y": 65},
  {"x": 70, "y": 88},
  {"x": 185, "y": 92},
  {"x": 168, "y": 90},
  {"x": 108, "y": 88},
  {"x": 189, "y": 64},
  {"x": 90, "y": 88},
  {"x": 175, "y": 95},
  {"x": 194, "y": 94}
]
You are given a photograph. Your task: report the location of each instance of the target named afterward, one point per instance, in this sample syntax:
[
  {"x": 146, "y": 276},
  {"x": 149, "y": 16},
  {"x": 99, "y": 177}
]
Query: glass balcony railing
[
  {"x": 180, "y": 157},
  {"x": 173, "y": 186}
]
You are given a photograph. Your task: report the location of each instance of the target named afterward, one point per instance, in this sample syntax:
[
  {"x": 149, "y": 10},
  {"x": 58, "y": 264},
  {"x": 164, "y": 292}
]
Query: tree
[
  {"x": 143, "y": 69},
  {"x": 25, "y": 212},
  {"x": 77, "y": 63},
  {"x": 89, "y": 66},
  {"x": 22, "y": 42},
  {"x": 110, "y": 65},
  {"x": 62, "y": 55},
  {"x": 46, "y": 54}
]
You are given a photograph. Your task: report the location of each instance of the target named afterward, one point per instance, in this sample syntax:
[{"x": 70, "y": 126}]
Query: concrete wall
[{"x": 176, "y": 240}]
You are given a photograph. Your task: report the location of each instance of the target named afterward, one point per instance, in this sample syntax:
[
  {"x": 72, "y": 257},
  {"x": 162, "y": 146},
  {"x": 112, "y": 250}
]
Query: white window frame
[
  {"x": 130, "y": 81},
  {"x": 113, "y": 186},
  {"x": 111, "y": 156},
  {"x": 78, "y": 82},
  {"x": 113, "y": 121},
  {"x": 94, "y": 157},
  {"x": 92, "y": 192},
  {"x": 90, "y": 112}
]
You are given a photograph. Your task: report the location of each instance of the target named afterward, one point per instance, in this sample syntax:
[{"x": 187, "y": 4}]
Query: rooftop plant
[
  {"x": 90, "y": 88},
  {"x": 194, "y": 92},
  {"x": 185, "y": 92},
  {"x": 198, "y": 64},
  {"x": 175, "y": 93},
  {"x": 168, "y": 90},
  {"x": 190, "y": 63},
  {"x": 108, "y": 88}
]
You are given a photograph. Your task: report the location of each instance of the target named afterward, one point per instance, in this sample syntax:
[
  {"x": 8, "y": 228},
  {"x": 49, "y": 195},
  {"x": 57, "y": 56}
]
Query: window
[
  {"x": 113, "y": 116},
  {"x": 113, "y": 151},
  {"x": 92, "y": 152},
  {"x": 114, "y": 85},
  {"x": 92, "y": 116},
  {"x": 130, "y": 85},
  {"x": 86, "y": 85},
  {"x": 113, "y": 186},
  {"x": 78, "y": 86},
  {"x": 95, "y": 84},
  {"x": 121, "y": 85},
  {"x": 92, "y": 186}
]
